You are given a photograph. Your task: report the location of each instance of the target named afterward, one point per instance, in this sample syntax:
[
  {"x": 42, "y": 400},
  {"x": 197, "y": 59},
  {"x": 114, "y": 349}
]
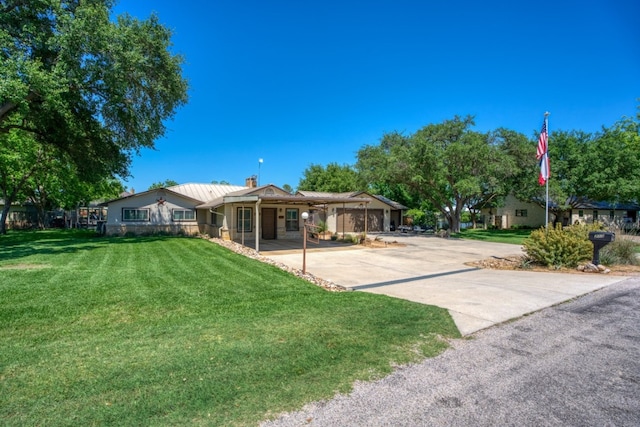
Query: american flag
[
  {"x": 543, "y": 155},
  {"x": 542, "y": 141}
]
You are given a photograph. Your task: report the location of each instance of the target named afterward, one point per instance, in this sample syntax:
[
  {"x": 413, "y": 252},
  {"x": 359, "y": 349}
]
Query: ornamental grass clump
[
  {"x": 559, "y": 247},
  {"x": 622, "y": 251}
]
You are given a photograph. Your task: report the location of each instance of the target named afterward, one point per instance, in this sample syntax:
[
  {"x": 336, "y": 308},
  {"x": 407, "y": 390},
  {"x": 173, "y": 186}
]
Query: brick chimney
[{"x": 250, "y": 182}]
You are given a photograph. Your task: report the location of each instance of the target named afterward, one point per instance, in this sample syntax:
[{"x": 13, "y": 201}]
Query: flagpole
[{"x": 546, "y": 218}]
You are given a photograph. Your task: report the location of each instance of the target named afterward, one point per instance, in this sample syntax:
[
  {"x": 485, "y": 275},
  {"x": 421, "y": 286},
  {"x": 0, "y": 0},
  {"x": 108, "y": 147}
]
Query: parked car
[{"x": 404, "y": 229}]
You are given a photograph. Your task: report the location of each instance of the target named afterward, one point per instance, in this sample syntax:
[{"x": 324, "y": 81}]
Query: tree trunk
[
  {"x": 454, "y": 225},
  {"x": 474, "y": 218},
  {"x": 4, "y": 215}
]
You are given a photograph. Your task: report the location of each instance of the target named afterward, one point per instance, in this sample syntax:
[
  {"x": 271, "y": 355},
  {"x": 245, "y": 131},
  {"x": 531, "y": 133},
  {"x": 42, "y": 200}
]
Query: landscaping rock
[
  {"x": 592, "y": 268},
  {"x": 251, "y": 253}
]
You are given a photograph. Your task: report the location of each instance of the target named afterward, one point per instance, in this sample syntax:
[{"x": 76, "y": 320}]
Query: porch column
[{"x": 258, "y": 225}]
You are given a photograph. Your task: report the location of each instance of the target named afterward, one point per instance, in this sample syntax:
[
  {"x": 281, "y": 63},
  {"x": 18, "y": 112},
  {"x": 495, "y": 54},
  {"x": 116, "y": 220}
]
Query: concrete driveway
[{"x": 431, "y": 270}]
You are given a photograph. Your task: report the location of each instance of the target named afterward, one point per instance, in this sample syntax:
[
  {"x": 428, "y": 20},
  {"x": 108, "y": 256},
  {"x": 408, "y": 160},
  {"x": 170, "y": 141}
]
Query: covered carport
[{"x": 352, "y": 220}]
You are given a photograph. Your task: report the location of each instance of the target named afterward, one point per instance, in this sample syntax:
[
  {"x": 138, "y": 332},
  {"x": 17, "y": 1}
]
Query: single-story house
[
  {"x": 620, "y": 214},
  {"x": 244, "y": 213},
  {"x": 516, "y": 213},
  {"x": 513, "y": 213}
]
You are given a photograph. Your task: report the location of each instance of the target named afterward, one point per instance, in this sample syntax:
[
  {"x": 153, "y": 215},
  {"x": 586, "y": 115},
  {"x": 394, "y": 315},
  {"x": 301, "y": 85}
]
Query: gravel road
[{"x": 575, "y": 364}]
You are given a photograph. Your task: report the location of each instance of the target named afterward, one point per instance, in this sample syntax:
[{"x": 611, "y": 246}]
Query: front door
[{"x": 268, "y": 223}]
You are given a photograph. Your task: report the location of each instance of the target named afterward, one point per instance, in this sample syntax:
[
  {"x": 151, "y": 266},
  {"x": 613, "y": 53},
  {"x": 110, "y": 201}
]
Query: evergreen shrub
[{"x": 560, "y": 247}]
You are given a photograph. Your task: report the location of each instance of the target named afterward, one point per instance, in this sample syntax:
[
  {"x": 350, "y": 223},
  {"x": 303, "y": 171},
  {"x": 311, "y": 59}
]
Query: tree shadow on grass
[{"x": 21, "y": 244}]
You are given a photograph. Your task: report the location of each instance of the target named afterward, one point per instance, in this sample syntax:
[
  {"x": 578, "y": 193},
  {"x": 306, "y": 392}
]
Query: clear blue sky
[{"x": 301, "y": 82}]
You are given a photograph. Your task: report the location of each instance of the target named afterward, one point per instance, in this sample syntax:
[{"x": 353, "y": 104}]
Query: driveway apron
[{"x": 431, "y": 270}]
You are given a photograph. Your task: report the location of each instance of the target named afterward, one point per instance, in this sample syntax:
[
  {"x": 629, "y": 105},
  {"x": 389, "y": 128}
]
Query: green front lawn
[
  {"x": 177, "y": 331},
  {"x": 515, "y": 237}
]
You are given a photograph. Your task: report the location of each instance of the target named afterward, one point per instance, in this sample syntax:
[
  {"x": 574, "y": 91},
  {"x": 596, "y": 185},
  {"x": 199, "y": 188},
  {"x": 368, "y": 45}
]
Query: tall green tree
[
  {"x": 20, "y": 159},
  {"x": 163, "y": 184},
  {"x": 289, "y": 189},
  {"x": 373, "y": 168},
  {"x": 568, "y": 154},
  {"x": 613, "y": 163},
  {"x": 38, "y": 174},
  {"x": 58, "y": 186},
  {"x": 94, "y": 90},
  {"x": 447, "y": 165},
  {"x": 604, "y": 166},
  {"x": 333, "y": 178},
  {"x": 516, "y": 163}
]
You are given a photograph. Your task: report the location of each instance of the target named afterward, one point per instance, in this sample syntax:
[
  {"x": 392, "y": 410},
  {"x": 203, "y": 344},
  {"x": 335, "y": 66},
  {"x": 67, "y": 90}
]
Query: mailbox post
[{"x": 599, "y": 240}]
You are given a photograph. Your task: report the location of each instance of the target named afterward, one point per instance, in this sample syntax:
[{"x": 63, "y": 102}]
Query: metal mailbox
[{"x": 599, "y": 240}]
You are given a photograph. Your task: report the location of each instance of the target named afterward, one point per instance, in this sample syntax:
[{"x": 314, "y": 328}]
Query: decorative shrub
[
  {"x": 321, "y": 227},
  {"x": 520, "y": 227},
  {"x": 559, "y": 247}
]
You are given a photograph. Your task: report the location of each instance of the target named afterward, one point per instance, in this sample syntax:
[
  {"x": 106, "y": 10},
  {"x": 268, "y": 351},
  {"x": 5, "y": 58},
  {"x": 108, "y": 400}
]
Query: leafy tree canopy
[
  {"x": 288, "y": 188},
  {"x": 447, "y": 165},
  {"x": 333, "y": 178},
  {"x": 163, "y": 184},
  {"x": 613, "y": 162},
  {"x": 80, "y": 87},
  {"x": 600, "y": 167}
]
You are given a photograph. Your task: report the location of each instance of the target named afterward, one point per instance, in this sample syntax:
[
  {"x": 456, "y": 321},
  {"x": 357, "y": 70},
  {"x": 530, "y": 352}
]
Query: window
[
  {"x": 521, "y": 212},
  {"x": 581, "y": 213},
  {"x": 183, "y": 215},
  {"x": 214, "y": 218},
  {"x": 132, "y": 214},
  {"x": 612, "y": 214},
  {"x": 595, "y": 215},
  {"x": 244, "y": 219},
  {"x": 291, "y": 220}
]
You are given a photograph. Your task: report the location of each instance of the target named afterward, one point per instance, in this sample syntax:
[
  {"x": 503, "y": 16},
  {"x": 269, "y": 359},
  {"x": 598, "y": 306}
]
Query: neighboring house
[
  {"x": 245, "y": 213},
  {"x": 21, "y": 216},
  {"x": 620, "y": 214},
  {"x": 513, "y": 213},
  {"x": 516, "y": 213}
]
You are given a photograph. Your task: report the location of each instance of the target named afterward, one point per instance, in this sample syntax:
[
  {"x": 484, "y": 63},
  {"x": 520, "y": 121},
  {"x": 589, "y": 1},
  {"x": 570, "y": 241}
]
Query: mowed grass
[
  {"x": 515, "y": 237},
  {"x": 179, "y": 331}
]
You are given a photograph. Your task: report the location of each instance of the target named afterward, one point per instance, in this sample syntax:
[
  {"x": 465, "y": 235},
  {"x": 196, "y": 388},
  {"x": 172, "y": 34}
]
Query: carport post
[
  {"x": 305, "y": 215},
  {"x": 365, "y": 220}
]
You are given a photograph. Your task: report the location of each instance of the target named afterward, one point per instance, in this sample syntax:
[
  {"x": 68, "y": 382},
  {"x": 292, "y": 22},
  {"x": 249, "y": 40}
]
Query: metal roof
[
  {"x": 326, "y": 194},
  {"x": 205, "y": 192}
]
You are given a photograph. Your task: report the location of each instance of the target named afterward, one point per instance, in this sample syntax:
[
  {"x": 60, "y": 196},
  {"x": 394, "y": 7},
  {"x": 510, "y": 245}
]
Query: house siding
[
  {"x": 160, "y": 206},
  {"x": 505, "y": 216}
]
